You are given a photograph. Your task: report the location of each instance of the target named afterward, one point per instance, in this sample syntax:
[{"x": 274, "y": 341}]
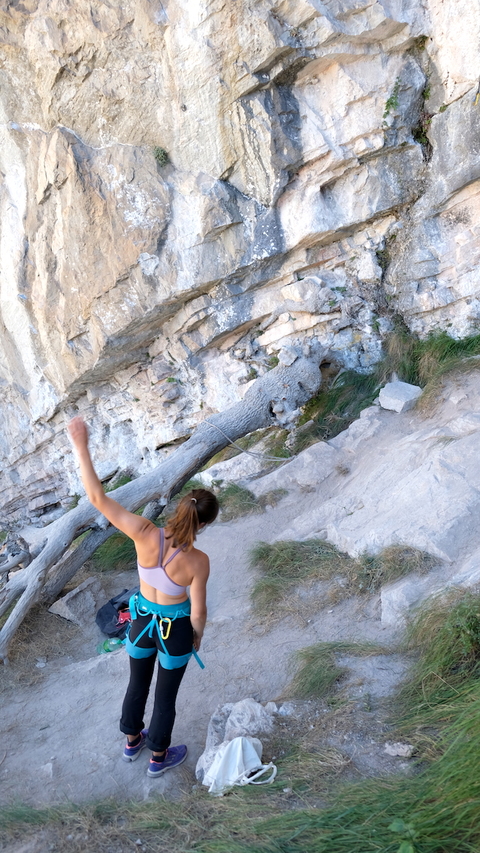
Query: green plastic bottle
[{"x": 109, "y": 645}]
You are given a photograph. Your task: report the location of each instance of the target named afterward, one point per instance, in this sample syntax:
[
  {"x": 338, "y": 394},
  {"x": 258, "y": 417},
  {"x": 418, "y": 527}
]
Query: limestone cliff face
[{"x": 324, "y": 172}]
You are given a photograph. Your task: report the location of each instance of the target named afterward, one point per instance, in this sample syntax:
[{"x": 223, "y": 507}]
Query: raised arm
[{"x": 132, "y": 525}]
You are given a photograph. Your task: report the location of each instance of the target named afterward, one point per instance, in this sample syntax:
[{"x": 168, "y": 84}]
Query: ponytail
[{"x": 198, "y": 507}]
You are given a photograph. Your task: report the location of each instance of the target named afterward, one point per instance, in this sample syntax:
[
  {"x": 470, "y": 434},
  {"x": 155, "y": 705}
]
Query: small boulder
[
  {"x": 239, "y": 719},
  {"x": 81, "y": 604},
  {"x": 287, "y": 356},
  {"x": 399, "y": 396},
  {"x": 402, "y": 750}
]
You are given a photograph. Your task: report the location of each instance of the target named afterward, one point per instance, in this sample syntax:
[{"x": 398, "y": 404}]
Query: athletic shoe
[
  {"x": 174, "y": 755},
  {"x": 131, "y": 753}
]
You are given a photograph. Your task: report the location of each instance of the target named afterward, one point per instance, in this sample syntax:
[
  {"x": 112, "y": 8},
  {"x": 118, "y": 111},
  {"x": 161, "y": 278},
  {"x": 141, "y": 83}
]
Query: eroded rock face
[{"x": 299, "y": 202}]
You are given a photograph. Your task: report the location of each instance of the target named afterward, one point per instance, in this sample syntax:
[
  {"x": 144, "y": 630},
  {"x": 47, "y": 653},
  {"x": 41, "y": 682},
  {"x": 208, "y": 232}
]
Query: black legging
[{"x": 168, "y": 681}]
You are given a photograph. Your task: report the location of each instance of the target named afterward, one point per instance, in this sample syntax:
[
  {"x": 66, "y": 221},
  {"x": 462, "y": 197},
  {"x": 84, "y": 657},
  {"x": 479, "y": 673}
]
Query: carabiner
[{"x": 165, "y": 634}]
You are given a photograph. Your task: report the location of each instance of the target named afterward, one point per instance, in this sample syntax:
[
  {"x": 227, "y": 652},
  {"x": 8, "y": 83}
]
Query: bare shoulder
[{"x": 199, "y": 562}]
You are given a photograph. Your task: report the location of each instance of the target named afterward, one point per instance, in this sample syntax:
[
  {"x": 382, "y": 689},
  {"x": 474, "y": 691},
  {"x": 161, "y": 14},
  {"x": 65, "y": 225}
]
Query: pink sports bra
[{"x": 157, "y": 577}]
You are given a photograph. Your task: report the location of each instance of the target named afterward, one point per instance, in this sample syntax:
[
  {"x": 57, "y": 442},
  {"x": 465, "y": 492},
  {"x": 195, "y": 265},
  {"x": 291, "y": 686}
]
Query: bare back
[{"x": 185, "y": 568}]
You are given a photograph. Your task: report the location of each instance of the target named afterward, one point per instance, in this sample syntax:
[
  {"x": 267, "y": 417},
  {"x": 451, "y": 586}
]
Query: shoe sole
[{"x": 154, "y": 773}]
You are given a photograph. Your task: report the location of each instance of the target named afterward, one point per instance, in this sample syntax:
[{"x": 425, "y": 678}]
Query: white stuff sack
[{"x": 238, "y": 762}]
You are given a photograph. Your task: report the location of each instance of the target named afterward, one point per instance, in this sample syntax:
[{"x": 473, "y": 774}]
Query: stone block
[
  {"x": 399, "y": 396},
  {"x": 240, "y": 719},
  {"x": 287, "y": 355},
  {"x": 308, "y": 469},
  {"x": 81, "y": 604},
  {"x": 402, "y": 750}
]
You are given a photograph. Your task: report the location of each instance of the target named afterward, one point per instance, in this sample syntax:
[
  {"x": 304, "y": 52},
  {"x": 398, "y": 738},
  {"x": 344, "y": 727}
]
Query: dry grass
[
  {"x": 318, "y": 671},
  {"x": 300, "y": 577},
  {"x": 42, "y": 636},
  {"x": 236, "y": 502},
  {"x": 310, "y": 770},
  {"x": 271, "y": 498},
  {"x": 392, "y": 563}
]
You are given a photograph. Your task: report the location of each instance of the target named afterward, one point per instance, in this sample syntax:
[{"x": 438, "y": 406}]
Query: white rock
[
  {"x": 81, "y": 604},
  {"x": 309, "y": 468},
  {"x": 399, "y": 396},
  {"x": 274, "y": 229},
  {"x": 287, "y": 356},
  {"x": 402, "y": 750},
  {"x": 232, "y": 720},
  {"x": 400, "y": 598},
  {"x": 287, "y": 709}
]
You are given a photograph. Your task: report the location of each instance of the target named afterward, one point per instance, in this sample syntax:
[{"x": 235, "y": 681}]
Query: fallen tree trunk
[{"x": 274, "y": 399}]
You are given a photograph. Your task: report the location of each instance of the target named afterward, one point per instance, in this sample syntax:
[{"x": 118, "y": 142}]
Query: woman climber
[{"x": 166, "y": 622}]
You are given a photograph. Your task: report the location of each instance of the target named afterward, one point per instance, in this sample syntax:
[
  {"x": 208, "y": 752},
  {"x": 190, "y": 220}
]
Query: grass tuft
[
  {"x": 235, "y": 502},
  {"x": 335, "y": 407},
  {"x": 116, "y": 554},
  {"x": 318, "y": 671},
  {"x": 282, "y": 566},
  {"x": 275, "y": 444},
  {"x": 271, "y": 498},
  {"x": 390, "y": 564},
  {"x": 446, "y": 635},
  {"x": 419, "y": 362},
  {"x": 304, "y": 768}
]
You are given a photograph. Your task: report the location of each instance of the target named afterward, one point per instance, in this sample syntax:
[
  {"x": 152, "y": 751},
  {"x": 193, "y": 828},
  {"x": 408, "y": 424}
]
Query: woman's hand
[
  {"x": 78, "y": 432},
  {"x": 196, "y": 641}
]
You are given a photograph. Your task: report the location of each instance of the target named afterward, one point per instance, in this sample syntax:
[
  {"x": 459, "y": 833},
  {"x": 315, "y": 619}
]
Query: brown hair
[{"x": 198, "y": 507}]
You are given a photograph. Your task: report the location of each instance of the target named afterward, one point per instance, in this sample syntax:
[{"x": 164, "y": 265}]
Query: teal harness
[{"x": 161, "y": 622}]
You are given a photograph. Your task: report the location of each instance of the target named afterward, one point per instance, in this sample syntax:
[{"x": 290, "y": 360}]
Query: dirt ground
[{"x": 61, "y": 741}]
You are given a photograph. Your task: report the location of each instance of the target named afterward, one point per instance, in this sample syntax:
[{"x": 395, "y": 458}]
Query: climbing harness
[{"x": 162, "y": 617}]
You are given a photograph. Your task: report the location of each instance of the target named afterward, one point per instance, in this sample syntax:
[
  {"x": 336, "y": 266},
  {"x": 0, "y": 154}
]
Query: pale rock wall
[{"x": 147, "y": 297}]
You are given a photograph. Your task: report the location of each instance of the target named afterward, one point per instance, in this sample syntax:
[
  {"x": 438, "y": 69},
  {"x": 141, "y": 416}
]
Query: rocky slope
[
  {"x": 405, "y": 479},
  {"x": 323, "y": 173}
]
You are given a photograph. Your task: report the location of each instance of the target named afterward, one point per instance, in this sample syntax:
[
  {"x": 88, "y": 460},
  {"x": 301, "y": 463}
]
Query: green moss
[
  {"x": 392, "y": 101},
  {"x": 318, "y": 671},
  {"x": 161, "y": 156}
]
